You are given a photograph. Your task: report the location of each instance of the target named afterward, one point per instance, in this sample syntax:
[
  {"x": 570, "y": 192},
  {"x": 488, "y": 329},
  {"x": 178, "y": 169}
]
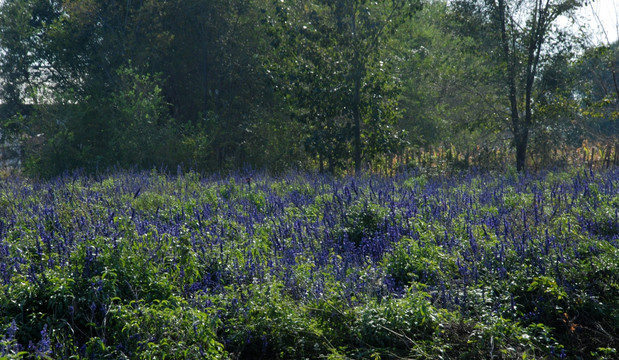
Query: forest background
[{"x": 328, "y": 85}]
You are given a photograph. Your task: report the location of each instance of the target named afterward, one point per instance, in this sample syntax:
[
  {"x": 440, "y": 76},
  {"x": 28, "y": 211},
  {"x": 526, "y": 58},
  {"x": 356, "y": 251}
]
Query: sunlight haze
[{"x": 604, "y": 17}]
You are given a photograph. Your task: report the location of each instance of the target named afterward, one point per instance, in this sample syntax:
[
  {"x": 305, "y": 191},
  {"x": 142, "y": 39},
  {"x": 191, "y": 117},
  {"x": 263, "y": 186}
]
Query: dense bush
[{"x": 149, "y": 265}]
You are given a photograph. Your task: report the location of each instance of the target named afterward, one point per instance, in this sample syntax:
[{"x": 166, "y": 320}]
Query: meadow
[{"x": 144, "y": 265}]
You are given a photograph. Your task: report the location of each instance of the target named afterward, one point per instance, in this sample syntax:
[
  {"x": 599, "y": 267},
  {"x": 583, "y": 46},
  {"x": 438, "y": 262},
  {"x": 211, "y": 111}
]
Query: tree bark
[
  {"x": 519, "y": 129},
  {"x": 357, "y": 121},
  {"x": 356, "y": 104},
  {"x": 521, "y": 139},
  {"x": 615, "y": 82}
]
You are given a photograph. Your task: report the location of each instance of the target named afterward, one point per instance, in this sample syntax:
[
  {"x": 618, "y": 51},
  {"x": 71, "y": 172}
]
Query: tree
[
  {"x": 63, "y": 57},
  {"x": 608, "y": 53},
  {"x": 205, "y": 58},
  {"x": 334, "y": 72},
  {"x": 598, "y": 90},
  {"x": 24, "y": 66},
  {"x": 447, "y": 97},
  {"x": 522, "y": 32}
]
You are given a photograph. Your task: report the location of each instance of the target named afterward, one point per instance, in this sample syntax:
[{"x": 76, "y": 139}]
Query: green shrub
[{"x": 167, "y": 329}]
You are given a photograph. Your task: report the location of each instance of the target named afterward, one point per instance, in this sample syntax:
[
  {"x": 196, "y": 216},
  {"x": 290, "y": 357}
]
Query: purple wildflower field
[{"x": 142, "y": 265}]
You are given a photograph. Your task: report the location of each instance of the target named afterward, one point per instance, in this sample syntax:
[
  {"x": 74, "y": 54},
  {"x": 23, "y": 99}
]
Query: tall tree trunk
[
  {"x": 538, "y": 29},
  {"x": 205, "y": 61},
  {"x": 519, "y": 130},
  {"x": 521, "y": 139},
  {"x": 357, "y": 121},
  {"x": 356, "y": 111},
  {"x": 615, "y": 82}
]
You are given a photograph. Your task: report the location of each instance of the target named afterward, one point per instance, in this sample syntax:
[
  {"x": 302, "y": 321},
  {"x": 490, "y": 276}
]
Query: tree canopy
[{"x": 324, "y": 84}]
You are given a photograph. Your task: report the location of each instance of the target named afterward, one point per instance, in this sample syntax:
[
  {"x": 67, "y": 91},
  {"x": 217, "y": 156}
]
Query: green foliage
[
  {"x": 525, "y": 76},
  {"x": 399, "y": 323},
  {"x": 448, "y": 95},
  {"x": 596, "y": 69},
  {"x": 319, "y": 85},
  {"x": 412, "y": 261},
  {"x": 362, "y": 220},
  {"x": 165, "y": 329},
  {"x": 106, "y": 85},
  {"x": 504, "y": 339},
  {"x": 330, "y": 66},
  {"x": 140, "y": 127},
  {"x": 129, "y": 127}
]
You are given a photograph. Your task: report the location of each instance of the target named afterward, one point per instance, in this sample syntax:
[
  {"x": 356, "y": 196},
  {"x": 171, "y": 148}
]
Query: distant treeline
[{"x": 325, "y": 85}]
